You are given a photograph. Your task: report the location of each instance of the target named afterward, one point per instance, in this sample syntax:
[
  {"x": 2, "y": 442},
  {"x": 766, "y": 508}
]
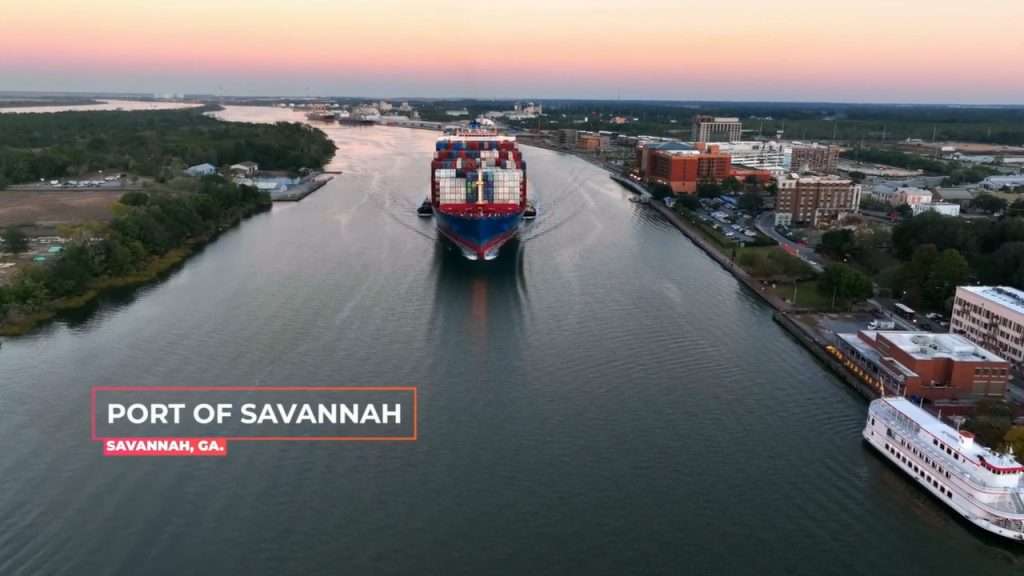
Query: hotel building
[
  {"x": 818, "y": 201},
  {"x": 992, "y": 317}
]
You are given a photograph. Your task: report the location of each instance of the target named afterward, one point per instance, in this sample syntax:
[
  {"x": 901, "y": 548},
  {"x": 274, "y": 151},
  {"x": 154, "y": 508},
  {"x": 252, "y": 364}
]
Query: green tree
[
  {"x": 990, "y": 422},
  {"x": 686, "y": 202},
  {"x": 15, "y": 241},
  {"x": 988, "y": 203},
  {"x": 1005, "y": 266},
  {"x": 731, "y": 185},
  {"x": 28, "y": 291},
  {"x": 931, "y": 277},
  {"x": 751, "y": 202},
  {"x": 71, "y": 273},
  {"x": 5, "y": 301},
  {"x": 837, "y": 243},
  {"x": 134, "y": 199},
  {"x": 847, "y": 284},
  {"x": 951, "y": 270},
  {"x": 660, "y": 190},
  {"x": 904, "y": 212},
  {"x": 1014, "y": 440},
  {"x": 709, "y": 189},
  {"x": 1017, "y": 208}
]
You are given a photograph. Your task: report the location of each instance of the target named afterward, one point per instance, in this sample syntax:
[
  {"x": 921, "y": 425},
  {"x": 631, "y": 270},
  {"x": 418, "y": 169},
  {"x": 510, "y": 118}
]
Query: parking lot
[{"x": 736, "y": 225}]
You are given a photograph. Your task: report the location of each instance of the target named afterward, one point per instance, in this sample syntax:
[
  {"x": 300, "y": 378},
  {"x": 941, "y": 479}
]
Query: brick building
[
  {"x": 588, "y": 141},
  {"x": 682, "y": 166},
  {"x": 815, "y": 200},
  {"x": 925, "y": 365},
  {"x": 814, "y": 158}
]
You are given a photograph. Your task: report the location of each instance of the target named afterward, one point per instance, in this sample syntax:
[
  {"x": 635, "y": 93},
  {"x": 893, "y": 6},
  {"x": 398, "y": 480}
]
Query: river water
[
  {"x": 101, "y": 105},
  {"x": 602, "y": 399}
]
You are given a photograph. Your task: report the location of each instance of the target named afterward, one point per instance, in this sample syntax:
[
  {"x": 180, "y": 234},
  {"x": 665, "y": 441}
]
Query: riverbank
[
  {"x": 154, "y": 269},
  {"x": 697, "y": 237},
  {"x": 786, "y": 314}
]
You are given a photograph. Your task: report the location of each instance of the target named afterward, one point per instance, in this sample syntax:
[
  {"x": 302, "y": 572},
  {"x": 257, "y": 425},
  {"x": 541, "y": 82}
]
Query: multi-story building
[
  {"x": 567, "y": 138},
  {"x": 992, "y": 317},
  {"x": 682, "y": 166},
  {"x": 713, "y": 129},
  {"x": 899, "y": 195},
  {"x": 588, "y": 141},
  {"x": 814, "y": 158},
  {"x": 925, "y": 365},
  {"x": 944, "y": 208},
  {"x": 912, "y": 196},
  {"x": 815, "y": 200},
  {"x": 773, "y": 157}
]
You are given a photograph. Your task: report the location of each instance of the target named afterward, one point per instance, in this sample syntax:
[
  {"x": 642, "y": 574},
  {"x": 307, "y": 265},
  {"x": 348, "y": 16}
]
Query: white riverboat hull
[{"x": 943, "y": 479}]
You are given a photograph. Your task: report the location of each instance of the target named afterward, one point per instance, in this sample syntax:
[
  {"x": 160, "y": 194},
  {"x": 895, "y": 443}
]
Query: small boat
[
  {"x": 426, "y": 209},
  {"x": 530, "y": 212},
  {"x": 639, "y": 199}
]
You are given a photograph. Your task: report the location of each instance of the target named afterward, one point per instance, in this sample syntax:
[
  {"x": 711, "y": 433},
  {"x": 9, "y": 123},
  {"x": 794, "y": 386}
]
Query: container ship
[
  {"x": 320, "y": 113},
  {"x": 478, "y": 189},
  {"x": 985, "y": 487}
]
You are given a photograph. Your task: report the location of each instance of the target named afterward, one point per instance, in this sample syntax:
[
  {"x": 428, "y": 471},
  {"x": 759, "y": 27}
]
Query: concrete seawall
[
  {"x": 697, "y": 238},
  {"x": 300, "y": 191},
  {"x": 816, "y": 345}
]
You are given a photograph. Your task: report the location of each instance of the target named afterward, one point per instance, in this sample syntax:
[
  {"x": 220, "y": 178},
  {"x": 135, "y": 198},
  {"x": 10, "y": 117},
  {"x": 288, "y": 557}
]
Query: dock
[{"x": 300, "y": 191}]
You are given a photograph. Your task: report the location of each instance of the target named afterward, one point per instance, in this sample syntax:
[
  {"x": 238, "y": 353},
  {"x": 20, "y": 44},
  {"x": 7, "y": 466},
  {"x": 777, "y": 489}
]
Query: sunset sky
[{"x": 954, "y": 51}]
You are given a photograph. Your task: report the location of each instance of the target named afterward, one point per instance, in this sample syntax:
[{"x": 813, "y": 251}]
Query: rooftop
[
  {"x": 817, "y": 179},
  {"x": 671, "y": 146},
  {"x": 956, "y": 193},
  {"x": 928, "y": 346},
  {"x": 871, "y": 354},
  {"x": 1005, "y": 296}
]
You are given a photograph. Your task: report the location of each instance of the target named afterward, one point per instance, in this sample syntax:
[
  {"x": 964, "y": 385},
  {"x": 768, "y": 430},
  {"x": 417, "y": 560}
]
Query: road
[
  {"x": 47, "y": 187},
  {"x": 765, "y": 223}
]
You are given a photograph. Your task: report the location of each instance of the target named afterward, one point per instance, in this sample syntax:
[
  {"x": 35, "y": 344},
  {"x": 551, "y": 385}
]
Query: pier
[{"x": 301, "y": 190}]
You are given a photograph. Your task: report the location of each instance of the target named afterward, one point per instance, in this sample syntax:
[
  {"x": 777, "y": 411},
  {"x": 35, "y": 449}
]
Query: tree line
[
  {"x": 146, "y": 225},
  {"x": 926, "y": 257},
  {"x": 955, "y": 173},
  {"x": 148, "y": 143}
]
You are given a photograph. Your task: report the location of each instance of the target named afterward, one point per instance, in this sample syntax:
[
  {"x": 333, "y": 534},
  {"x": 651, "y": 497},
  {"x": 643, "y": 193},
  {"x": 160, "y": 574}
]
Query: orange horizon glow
[{"x": 872, "y": 50}]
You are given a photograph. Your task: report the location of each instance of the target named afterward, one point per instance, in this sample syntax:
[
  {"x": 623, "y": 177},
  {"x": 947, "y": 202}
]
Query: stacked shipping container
[{"x": 478, "y": 170}]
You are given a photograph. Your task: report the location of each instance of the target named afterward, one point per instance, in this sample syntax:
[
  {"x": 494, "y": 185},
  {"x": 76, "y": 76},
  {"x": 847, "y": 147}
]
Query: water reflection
[{"x": 480, "y": 299}]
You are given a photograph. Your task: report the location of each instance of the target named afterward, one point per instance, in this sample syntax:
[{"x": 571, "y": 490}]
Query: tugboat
[
  {"x": 426, "y": 209},
  {"x": 531, "y": 211}
]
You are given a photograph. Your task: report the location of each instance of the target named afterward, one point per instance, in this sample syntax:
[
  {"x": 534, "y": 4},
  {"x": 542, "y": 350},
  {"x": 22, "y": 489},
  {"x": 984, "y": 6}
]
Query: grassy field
[
  {"x": 807, "y": 295},
  {"x": 50, "y": 208}
]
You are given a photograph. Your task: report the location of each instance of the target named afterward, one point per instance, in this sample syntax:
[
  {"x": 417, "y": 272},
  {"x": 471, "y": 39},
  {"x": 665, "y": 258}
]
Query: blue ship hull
[{"x": 479, "y": 237}]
